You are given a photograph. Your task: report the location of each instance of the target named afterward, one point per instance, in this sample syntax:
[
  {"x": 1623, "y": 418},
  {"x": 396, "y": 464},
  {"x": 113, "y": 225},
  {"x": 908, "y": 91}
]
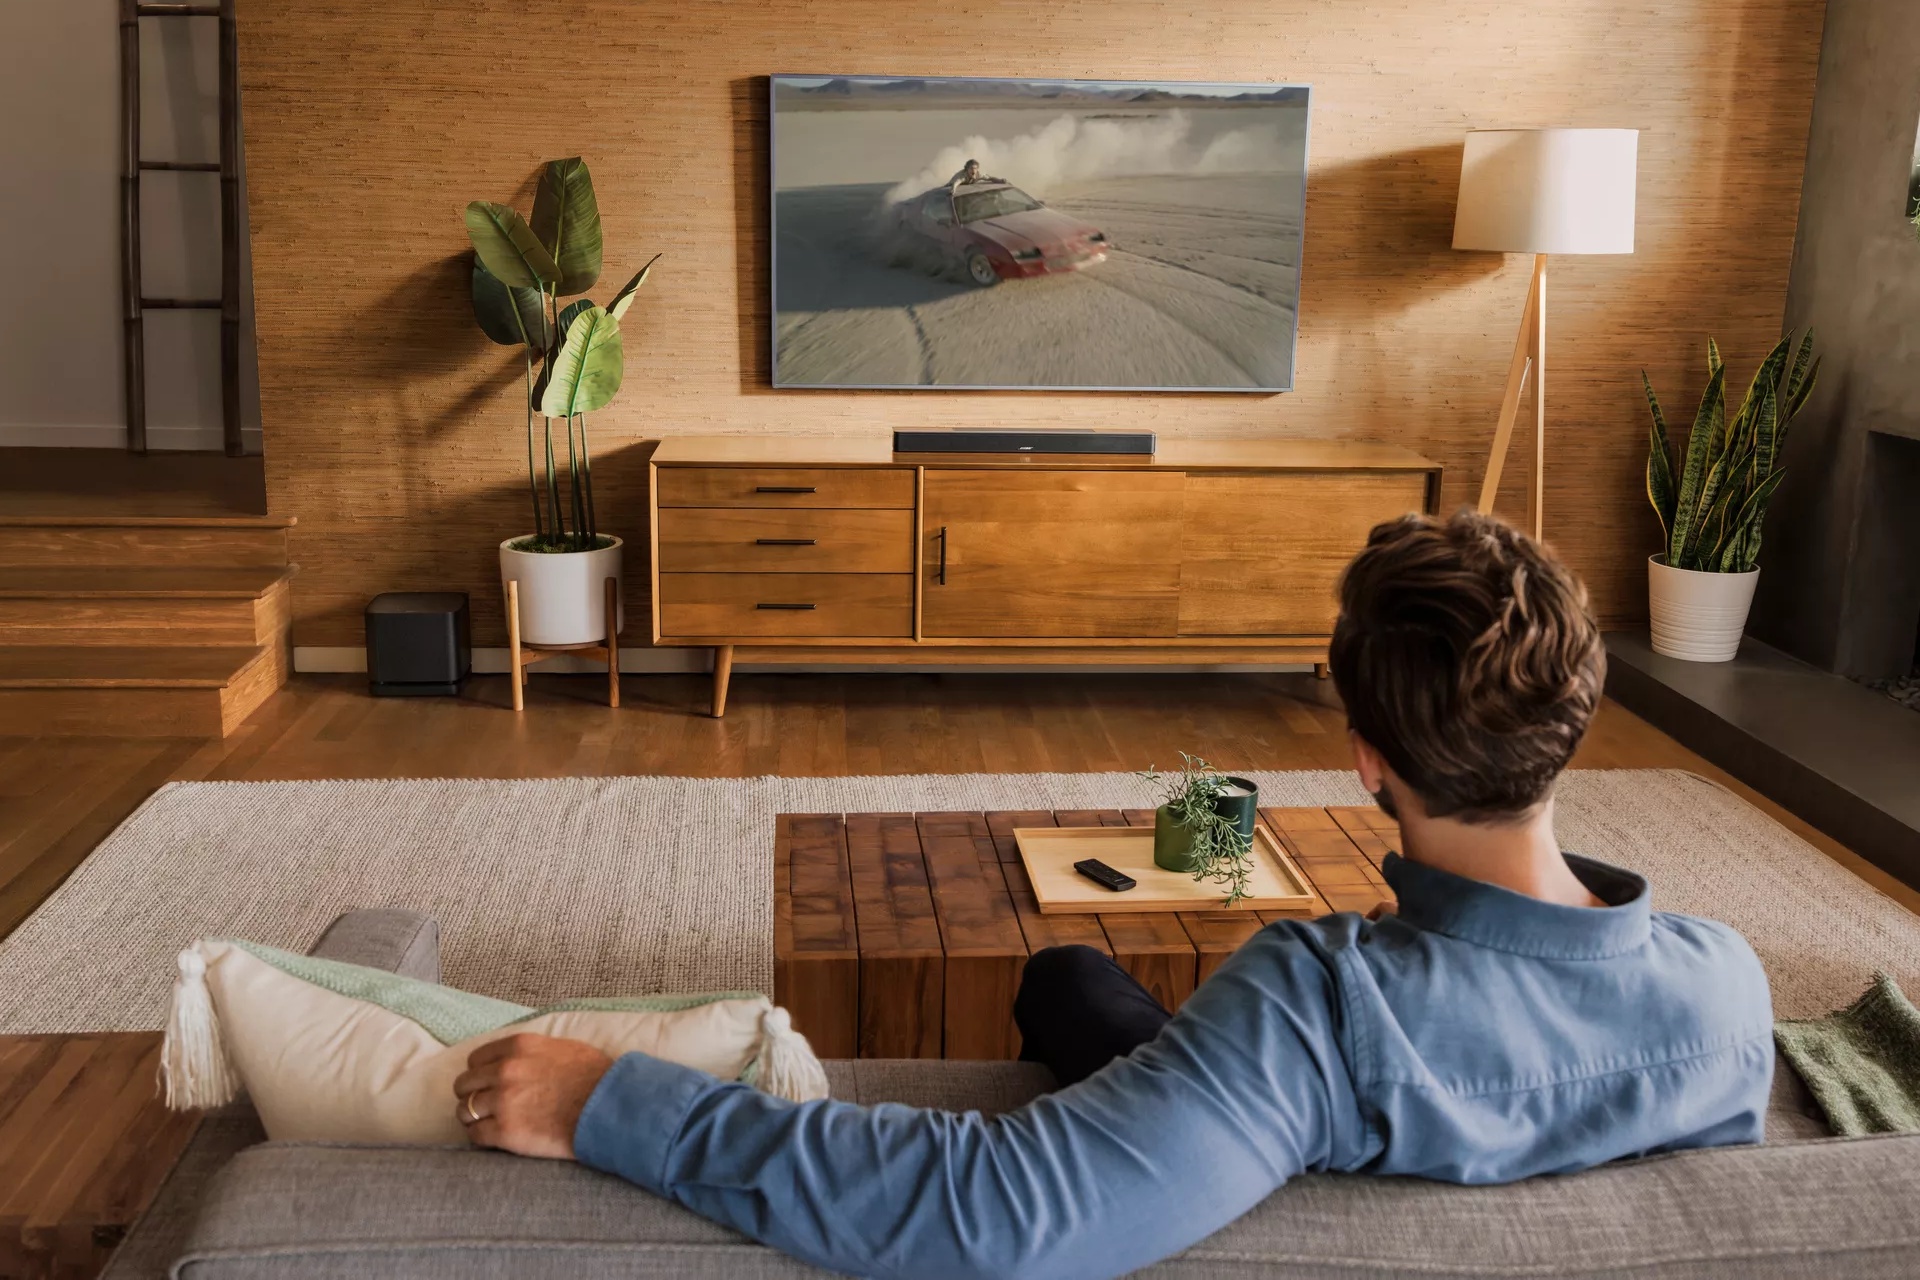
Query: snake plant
[
  {"x": 521, "y": 270},
  {"x": 1711, "y": 514}
]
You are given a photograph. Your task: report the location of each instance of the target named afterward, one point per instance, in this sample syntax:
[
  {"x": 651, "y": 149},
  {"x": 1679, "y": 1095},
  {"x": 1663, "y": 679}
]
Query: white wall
[{"x": 60, "y": 327}]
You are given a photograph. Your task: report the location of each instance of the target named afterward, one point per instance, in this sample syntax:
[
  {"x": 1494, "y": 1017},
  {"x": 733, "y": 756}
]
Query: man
[
  {"x": 1524, "y": 1012},
  {"x": 968, "y": 175}
]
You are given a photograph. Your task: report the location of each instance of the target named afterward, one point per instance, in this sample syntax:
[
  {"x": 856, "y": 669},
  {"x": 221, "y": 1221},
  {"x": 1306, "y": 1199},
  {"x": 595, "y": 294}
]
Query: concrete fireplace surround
[
  {"x": 1835, "y": 753},
  {"x": 1840, "y": 577},
  {"x": 1839, "y": 591}
]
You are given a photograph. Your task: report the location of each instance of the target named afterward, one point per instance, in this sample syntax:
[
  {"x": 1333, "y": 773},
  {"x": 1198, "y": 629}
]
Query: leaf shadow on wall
[
  {"x": 1379, "y": 244},
  {"x": 422, "y": 348}
]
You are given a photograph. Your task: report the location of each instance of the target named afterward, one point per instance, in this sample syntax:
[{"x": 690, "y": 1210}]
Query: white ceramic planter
[
  {"x": 563, "y": 596},
  {"x": 1698, "y": 616}
]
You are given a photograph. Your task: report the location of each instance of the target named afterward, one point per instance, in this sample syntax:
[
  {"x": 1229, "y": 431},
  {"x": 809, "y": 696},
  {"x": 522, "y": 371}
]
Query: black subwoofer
[{"x": 418, "y": 643}]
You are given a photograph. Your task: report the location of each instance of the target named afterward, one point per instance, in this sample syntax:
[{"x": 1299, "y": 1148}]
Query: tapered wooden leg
[
  {"x": 613, "y": 642},
  {"x": 518, "y": 675},
  {"x": 1320, "y": 671},
  {"x": 1517, "y": 370},
  {"x": 722, "y": 673},
  {"x": 1538, "y": 508}
]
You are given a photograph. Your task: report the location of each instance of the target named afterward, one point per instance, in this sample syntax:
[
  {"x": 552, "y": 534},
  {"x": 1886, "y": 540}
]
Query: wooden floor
[{"x": 60, "y": 796}]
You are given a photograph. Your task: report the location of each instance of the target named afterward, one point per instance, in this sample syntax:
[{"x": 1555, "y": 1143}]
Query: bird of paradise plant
[
  {"x": 1711, "y": 516},
  {"x": 572, "y": 355}
]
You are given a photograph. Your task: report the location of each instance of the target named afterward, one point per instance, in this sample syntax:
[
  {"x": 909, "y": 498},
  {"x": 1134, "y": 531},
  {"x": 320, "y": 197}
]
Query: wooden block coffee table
[{"x": 902, "y": 935}]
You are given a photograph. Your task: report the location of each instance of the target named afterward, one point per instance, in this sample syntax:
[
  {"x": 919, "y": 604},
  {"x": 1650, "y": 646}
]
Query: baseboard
[
  {"x": 113, "y": 435},
  {"x": 493, "y": 660}
]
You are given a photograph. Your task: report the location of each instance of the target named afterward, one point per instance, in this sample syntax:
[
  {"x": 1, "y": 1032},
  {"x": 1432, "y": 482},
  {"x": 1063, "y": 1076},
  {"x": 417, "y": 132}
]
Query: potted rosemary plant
[
  {"x": 1701, "y": 586},
  {"x": 574, "y": 361},
  {"x": 1205, "y": 824}
]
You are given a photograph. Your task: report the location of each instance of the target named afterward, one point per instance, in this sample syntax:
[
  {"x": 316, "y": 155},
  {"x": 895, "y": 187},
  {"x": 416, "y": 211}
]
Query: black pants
[{"x": 1077, "y": 1011}]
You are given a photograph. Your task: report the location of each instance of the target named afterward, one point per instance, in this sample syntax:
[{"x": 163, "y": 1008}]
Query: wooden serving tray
[{"x": 1050, "y": 852}]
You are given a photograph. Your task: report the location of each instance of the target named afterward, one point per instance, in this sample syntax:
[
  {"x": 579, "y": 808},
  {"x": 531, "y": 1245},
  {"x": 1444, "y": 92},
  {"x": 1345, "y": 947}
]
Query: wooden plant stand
[{"x": 526, "y": 653}]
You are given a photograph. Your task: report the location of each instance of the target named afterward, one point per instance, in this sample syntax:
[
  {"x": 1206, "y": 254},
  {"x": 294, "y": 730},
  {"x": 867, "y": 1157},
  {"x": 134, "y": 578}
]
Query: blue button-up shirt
[{"x": 1478, "y": 1036}]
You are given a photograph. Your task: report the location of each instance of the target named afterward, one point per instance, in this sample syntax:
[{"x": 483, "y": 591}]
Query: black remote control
[{"x": 1100, "y": 873}]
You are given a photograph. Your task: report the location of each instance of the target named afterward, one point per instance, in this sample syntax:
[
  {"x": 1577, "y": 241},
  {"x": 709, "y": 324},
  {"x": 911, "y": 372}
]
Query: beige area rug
[{"x": 550, "y": 888}]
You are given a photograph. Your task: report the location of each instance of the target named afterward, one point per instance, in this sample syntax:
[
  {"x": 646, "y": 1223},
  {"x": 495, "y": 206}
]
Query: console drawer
[
  {"x": 768, "y": 605},
  {"x": 786, "y": 487},
  {"x": 785, "y": 540}
]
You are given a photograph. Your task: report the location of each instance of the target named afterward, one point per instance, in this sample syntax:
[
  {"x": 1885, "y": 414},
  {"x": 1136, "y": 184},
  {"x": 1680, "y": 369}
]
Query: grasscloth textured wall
[{"x": 392, "y": 427}]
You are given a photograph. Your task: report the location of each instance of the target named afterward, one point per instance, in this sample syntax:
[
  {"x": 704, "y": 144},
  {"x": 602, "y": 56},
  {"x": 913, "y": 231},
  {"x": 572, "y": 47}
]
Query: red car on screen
[{"x": 994, "y": 231}]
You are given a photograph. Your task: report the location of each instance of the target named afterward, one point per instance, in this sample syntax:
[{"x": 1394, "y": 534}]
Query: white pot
[
  {"x": 563, "y": 595},
  {"x": 1698, "y": 616}
]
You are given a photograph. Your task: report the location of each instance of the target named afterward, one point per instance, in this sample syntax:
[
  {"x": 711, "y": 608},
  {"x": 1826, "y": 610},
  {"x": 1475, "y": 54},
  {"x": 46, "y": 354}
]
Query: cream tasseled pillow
[{"x": 341, "y": 1053}]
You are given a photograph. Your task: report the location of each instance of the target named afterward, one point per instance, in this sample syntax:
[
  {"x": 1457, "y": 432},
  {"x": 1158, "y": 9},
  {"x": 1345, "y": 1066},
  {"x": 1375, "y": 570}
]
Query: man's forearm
[
  {"x": 1145, "y": 1157},
  {"x": 1073, "y": 1185}
]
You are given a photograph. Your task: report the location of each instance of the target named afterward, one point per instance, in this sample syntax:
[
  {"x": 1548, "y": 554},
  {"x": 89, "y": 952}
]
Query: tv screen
[{"x": 1036, "y": 234}]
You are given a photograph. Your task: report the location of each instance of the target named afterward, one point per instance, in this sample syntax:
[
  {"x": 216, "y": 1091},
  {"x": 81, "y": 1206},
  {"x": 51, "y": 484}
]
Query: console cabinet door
[
  {"x": 1047, "y": 554},
  {"x": 1262, "y": 553}
]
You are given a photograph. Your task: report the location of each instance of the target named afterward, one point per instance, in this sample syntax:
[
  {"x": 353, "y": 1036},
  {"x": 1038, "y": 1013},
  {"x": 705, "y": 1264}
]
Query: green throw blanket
[{"x": 1861, "y": 1064}]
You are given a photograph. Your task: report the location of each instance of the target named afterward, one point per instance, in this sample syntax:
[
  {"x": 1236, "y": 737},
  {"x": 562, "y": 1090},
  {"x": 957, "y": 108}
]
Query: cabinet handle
[
  {"x": 785, "y": 488},
  {"x": 764, "y": 605},
  {"x": 942, "y": 536},
  {"x": 784, "y": 542}
]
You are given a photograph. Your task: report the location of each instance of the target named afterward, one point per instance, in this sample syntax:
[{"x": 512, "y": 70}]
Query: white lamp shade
[{"x": 1547, "y": 191}]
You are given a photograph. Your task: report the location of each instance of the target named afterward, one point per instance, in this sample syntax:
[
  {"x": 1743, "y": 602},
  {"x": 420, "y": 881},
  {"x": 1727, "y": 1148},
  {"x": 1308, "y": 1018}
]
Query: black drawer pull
[
  {"x": 785, "y": 488},
  {"x": 764, "y": 605},
  {"x": 784, "y": 542}
]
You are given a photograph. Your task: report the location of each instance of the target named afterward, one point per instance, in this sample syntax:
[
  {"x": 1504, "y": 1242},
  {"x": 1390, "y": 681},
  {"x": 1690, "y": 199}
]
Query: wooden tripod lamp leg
[
  {"x": 722, "y": 674},
  {"x": 1538, "y": 508},
  {"x": 1530, "y": 336},
  {"x": 613, "y": 642},
  {"x": 517, "y": 673}
]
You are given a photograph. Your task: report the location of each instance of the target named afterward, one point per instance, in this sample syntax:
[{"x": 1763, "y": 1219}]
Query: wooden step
[
  {"x": 44, "y": 541},
  {"x": 136, "y": 691},
  {"x": 165, "y": 605}
]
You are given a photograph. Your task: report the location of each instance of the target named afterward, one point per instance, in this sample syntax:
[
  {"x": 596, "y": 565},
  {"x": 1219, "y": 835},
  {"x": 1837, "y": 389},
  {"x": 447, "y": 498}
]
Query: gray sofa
[{"x": 1804, "y": 1205}]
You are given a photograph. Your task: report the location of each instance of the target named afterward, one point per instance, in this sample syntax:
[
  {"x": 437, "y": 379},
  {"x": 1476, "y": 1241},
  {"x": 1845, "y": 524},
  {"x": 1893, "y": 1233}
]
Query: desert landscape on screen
[{"x": 1113, "y": 235}]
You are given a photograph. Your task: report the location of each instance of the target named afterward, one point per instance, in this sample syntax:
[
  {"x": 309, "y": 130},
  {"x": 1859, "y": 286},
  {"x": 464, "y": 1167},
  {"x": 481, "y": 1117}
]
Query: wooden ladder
[{"x": 228, "y": 167}]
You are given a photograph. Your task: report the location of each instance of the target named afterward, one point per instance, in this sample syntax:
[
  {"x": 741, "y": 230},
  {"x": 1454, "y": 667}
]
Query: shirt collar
[{"x": 1502, "y": 920}]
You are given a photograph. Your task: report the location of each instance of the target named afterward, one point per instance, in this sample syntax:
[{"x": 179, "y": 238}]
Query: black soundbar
[{"x": 1023, "y": 440}]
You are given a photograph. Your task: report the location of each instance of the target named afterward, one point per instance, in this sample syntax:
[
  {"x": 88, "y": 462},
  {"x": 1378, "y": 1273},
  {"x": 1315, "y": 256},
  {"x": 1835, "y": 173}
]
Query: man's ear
[{"x": 1368, "y": 763}]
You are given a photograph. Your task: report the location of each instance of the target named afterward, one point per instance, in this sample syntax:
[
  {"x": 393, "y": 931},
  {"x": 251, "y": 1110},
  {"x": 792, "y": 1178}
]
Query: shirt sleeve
[{"x": 1243, "y": 1089}]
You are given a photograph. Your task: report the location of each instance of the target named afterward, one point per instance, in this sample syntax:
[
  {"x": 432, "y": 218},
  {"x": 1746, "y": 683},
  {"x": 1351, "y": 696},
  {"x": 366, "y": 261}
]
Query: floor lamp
[{"x": 1541, "y": 191}]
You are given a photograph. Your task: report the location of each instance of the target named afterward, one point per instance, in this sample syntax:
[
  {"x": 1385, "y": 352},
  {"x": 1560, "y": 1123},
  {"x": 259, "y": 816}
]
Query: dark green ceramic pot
[{"x": 1173, "y": 842}]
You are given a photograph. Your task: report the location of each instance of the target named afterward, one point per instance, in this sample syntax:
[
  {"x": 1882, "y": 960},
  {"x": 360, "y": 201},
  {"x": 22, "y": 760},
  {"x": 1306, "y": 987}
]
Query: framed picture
[{"x": 1036, "y": 234}]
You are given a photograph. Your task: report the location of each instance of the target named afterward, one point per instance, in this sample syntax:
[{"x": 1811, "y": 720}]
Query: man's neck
[{"x": 1524, "y": 857}]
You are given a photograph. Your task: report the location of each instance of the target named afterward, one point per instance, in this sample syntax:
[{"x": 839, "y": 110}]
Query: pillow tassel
[
  {"x": 193, "y": 1060},
  {"x": 786, "y": 1067}
]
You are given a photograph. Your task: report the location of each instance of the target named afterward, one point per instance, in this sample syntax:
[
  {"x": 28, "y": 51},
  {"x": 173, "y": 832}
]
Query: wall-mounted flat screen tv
[{"x": 1036, "y": 234}]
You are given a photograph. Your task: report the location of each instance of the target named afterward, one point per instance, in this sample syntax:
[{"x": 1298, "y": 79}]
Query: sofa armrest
[{"x": 403, "y": 942}]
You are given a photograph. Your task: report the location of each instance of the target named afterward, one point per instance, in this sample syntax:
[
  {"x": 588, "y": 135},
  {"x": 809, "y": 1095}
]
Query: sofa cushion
[
  {"x": 290, "y": 1211},
  {"x": 951, "y": 1086}
]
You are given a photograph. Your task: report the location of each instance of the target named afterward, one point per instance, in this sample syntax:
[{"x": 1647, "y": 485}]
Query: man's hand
[{"x": 525, "y": 1093}]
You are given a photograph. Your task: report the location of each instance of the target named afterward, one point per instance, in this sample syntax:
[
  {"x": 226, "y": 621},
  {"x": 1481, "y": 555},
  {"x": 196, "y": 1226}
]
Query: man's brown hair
[{"x": 1468, "y": 658}]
